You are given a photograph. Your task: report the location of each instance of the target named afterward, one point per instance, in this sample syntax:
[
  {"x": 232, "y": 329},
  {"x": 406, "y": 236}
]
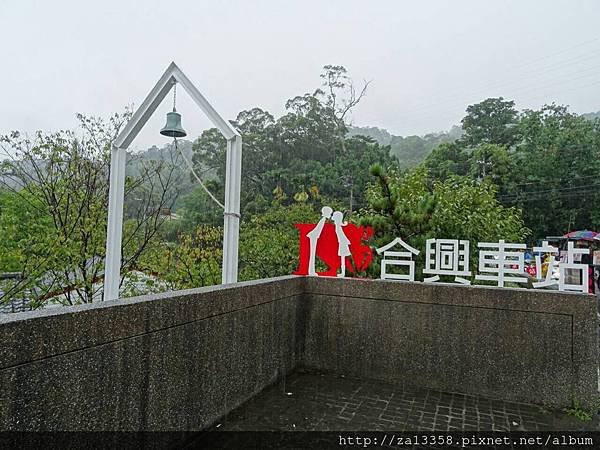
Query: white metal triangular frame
[
  {"x": 156, "y": 96},
  {"x": 172, "y": 75}
]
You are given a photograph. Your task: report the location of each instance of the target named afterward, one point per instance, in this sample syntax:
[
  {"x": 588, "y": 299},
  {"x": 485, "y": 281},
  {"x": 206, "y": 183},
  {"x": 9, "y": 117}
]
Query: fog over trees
[{"x": 502, "y": 173}]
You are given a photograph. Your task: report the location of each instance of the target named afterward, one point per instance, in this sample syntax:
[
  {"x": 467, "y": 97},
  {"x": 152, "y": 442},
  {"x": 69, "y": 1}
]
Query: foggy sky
[{"x": 427, "y": 59}]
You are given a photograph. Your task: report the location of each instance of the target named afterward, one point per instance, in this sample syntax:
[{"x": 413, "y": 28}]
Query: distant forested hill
[
  {"x": 592, "y": 115},
  {"x": 410, "y": 150},
  {"x": 167, "y": 154}
]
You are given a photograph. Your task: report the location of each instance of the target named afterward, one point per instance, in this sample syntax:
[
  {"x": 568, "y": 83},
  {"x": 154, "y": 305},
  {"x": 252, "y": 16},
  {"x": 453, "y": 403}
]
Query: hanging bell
[{"x": 173, "y": 127}]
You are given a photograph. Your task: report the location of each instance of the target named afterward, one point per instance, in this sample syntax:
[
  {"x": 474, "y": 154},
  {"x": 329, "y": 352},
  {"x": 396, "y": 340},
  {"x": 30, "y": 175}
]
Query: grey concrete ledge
[
  {"x": 34, "y": 335},
  {"x": 179, "y": 360},
  {"x": 518, "y": 344}
]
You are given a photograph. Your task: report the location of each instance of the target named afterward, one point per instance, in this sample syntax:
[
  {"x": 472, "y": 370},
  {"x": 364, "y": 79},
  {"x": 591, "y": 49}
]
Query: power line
[
  {"x": 552, "y": 191},
  {"x": 565, "y": 192},
  {"x": 558, "y": 64},
  {"x": 452, "y": 115},
  {"x": 561, "y": 79},
  {"x": 580, "y": 44},
  {"x": 552, "y": 181},
  {"x": 460, "y": 107},
  {"x": 537, "y": 183},
  {"x": 499, "y": 83},
  {"x": 567, "y": 90}
]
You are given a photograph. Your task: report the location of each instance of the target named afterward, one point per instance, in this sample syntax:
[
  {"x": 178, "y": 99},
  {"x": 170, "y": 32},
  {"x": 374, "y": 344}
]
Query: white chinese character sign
[
  {"x": 501, "y": 262},
  {"x": 395, "y": 258},
  {"x": 342, "y": 248},
  {"x": 550, "y": 251},
  {"x": 447, "y": 257},
  {"x": 570, "y": 265}
]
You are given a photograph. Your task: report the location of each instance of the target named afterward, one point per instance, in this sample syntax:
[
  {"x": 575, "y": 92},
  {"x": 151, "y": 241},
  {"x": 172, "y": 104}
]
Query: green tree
[
  {"x": 339, "y": 94},
  {"x": 304, "y": 150},
  {"x": 269, "y": 242},
  {"x": 492, "y": 121},
  {"x": 556, "y": 168},
  {"x": 21, "y": 218},
  {"x": 346, "y": 178},
  {"x": 491, "y": 162},
  {"x": 197, "y": 208},
  {"x": 414, "y": 208},
  {"x": 194, "y": 261},
  {"x": 447, "y": 159},
  {"x": 62, "y": 181}
]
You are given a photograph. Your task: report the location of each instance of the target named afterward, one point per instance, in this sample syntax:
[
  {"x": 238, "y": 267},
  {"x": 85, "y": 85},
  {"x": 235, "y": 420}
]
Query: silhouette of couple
[{"x": 343, "y": 242}]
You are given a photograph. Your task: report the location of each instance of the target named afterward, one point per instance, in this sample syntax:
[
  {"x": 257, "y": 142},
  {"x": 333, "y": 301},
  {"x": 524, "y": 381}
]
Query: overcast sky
[{"x": 427, "y": 59}]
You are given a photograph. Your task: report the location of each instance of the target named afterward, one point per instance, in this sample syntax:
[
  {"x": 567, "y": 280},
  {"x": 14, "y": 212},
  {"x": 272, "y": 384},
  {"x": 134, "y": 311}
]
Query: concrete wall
[
  {"x": 166, "y": 362},
  {"x": 524, "y": 345},
  {"x": 178, "y": 361}
]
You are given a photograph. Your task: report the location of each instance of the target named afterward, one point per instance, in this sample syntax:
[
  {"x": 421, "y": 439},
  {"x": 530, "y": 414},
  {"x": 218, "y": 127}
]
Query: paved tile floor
[{"x": 319, "y": 402}]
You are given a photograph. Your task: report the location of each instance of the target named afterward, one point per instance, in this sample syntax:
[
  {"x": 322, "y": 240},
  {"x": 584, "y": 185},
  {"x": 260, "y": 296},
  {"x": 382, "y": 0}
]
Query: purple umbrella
[{"x": 583, "y": 235}]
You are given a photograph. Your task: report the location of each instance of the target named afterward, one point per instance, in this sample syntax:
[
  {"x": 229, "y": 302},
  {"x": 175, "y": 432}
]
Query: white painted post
[
  {"x": 232, "y": 210},
  {"x": 114, "y": 229}
]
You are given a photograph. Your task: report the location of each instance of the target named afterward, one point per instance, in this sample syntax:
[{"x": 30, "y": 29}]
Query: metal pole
[
  {"x": 232, "y": 210},
  {"x": 235, "y": 232},
  {"x": 114, "y": 229}
]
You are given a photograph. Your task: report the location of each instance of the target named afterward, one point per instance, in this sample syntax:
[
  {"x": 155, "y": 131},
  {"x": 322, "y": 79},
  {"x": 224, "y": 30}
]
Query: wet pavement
[{"x": 319, "y": 402}]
